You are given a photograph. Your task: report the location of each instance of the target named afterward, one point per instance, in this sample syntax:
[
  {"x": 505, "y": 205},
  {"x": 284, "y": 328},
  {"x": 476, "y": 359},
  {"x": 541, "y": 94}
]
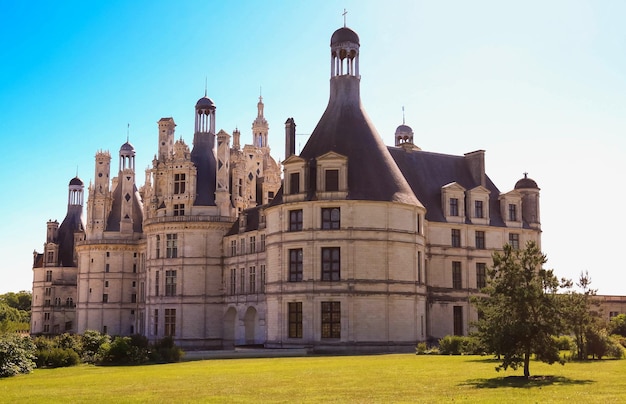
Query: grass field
[{"x": 354, "y": 379}]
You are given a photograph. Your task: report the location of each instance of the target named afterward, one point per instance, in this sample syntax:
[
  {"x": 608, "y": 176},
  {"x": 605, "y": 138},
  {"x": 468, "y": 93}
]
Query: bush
[
  {"x": 600, "y": 344},
  {"x": 166, "y": 351},
  {"x": 451, "y": 345},
  {"x": 92, "y": 346},
  {"x": 57, "y": 357},
  {"x": 564, "y": 343},
  {"x": 421, "y": 348},
  {"x": 17, "y": 355}
]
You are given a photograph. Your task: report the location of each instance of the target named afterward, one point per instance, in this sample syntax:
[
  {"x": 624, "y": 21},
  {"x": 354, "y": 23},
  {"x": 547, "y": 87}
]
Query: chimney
[
  {"x": 476, "y": 164},
  {"x": 290, "y": 137}
]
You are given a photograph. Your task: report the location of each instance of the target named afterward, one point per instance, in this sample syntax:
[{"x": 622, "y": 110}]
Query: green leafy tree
[
  {"x": 617, "y": 325},
  {"x": 521, "y": 310},
  {"x": 581, "y": 315},
  {"x": 20, "y": 300},
  {"x": 17, "y": 354}
]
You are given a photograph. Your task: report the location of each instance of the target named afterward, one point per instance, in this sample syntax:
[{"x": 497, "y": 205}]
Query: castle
[{"x": 354, "y": 246}]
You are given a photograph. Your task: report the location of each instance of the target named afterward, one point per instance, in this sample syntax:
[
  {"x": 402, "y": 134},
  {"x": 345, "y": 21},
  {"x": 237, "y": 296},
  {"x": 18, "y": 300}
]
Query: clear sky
[{"x": 539, "y": 85}]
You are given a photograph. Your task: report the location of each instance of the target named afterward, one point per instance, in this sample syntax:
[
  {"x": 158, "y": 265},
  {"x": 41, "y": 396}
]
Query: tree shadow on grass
[{"x": 522, "y": 382}]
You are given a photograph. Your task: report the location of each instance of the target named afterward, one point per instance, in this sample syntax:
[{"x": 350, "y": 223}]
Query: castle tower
[
  {"x": 126, "y": 180},
  {"x": 222, "y": 193},
  {"x": 203, "y": 155},
  {"x": 260, "y": 128},
  {"x": 99, "y": 201},
  {"x": 529, "y": 190},
  {"x": 166, "y": 137},
  {"x": 236, "y": 141}
]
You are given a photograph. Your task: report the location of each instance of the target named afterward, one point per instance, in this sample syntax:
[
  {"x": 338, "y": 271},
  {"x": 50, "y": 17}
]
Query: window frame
[
  {"x": 295, "y": 220},
  {"x": 455, "y": 237},
  {"x": 328, "y": 221},
  {"x": 330, "y": 320},
  {"x": 296, "y": 259},
  {"x": 457, "y": 275},
  {"x": 479, "y": 236},
  {"x": 331, "y": 264},
  {"x": 294, "y": 322}
]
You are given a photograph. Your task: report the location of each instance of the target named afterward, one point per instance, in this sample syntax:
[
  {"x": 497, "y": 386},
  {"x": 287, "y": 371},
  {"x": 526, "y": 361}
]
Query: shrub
[
  {"x": 92, "y": 343},
  {"x": 57, "y": 357},
  {"x": 17, "y": 355},
  {"x": 451, "y": 345},
  {"x": 421, "y": 348},
  {"x": 564, "y": 342},
  {"x": 166, "y": 351}
]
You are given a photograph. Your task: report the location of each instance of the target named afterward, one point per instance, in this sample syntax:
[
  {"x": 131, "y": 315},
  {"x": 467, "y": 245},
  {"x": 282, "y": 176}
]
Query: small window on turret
[{"x": 179, "y": 183}]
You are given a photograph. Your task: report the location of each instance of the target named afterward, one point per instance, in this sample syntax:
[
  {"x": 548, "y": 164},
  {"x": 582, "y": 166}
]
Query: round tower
[{"x": 530, "y": 201}]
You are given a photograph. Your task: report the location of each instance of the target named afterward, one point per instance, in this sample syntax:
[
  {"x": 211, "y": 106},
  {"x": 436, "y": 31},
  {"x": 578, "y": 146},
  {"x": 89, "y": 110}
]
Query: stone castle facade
[{"x": 351, "y": 246}]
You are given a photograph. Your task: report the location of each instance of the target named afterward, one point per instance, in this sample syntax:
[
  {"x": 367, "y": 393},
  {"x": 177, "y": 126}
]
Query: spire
[
  {"x": 403, "y": 123},
  {"x": 344, "y": 17}
]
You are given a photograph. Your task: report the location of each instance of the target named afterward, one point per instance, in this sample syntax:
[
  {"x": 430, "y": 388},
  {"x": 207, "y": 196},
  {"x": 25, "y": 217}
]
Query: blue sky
[{"x": 539, "y": 85}]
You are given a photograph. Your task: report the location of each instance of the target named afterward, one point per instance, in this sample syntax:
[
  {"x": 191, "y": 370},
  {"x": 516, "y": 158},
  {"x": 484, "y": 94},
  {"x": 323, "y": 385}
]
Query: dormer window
[
  {"x": 294, "y": 183},
  {"x": 478, "y": 209},
  {"x": 331, "y": 180},
  {"x": 513, "y": 212},
  {"x": 454, "y": 206}
]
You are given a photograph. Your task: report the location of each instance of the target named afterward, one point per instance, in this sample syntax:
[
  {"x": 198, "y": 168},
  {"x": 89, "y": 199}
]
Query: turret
[
  {"x": 166, "y": 137},
  {"x": 126, "y": 180},
  {"x": 530, "y": 201},
  {"x": 203, "y": 155},
  {"x": 260, "y": 128}
]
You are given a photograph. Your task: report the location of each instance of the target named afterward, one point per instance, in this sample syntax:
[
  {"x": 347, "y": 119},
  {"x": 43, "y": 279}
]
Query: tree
[
  {"x": 579, "y": 314},
  {"x": 617, "y": 325},
  {"x": 521, "y": 310},
  {"x": 17, "y": 355},
  {"x": 21, "y": 300}
]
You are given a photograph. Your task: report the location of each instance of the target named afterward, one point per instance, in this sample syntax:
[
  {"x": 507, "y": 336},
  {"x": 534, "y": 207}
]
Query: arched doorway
[
  {"x": 228, "y": 336},
  {"x": 250, "y": 320}
]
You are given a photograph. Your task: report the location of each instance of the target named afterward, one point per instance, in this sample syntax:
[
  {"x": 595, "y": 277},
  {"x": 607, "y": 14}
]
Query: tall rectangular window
[
  {"x": 252, "y": 244},
  {"x": 458, "y": 320},
  {"x": 48, "y": 292},
  {"x": 295, "y": 220},
  {"x": 480, "y": 240},
  {"x": 294, "y": 183},
  {"x": 106, "y": 267},
  {"x": 48, "y": 276},
  {"x": 514, "y": 240},
  {"x": 158, "y": 246},
  {"x": 252, "y": 283},
  {"x": 456, "y": 275},
  {"x": 331, "y": 319},
  {"x": 170, "y": 322},
  {"x": 478, "y": 209},
  {"x": 233, "y": 248},
  {"x": 170, "y": 282},
  {"x": 331, "y": 180},
  {"x": 331, "y": 263},
  {"x": 262, "y": 242},
  {"x": 242, "y": 246},
  {"x": 295, "y": 265},
  {"x": 233, "y": 281},
  {"x": 242, "y": 281},
  {"x": 481, "y": 275},
  {"x": 331, "y": 218},
  {"x": 156, "y": 283},
  {"x": 50, "y": 258},
  {"x": 512, "y": 212},
  {"x": 105, "y": 298},
  {"x": 179, "y": 183},
  {"x": 262, "y": 282},
  {"x": 295, "y": 319},
  {"x": 171, "y": 250},
  {"x": 155, "y": 322},
  {"x": 419, "y": 267},
  {"x": 454, "y": 206},
  {"x": 179, "y": 209},
  {"x": 455, "y": 237}
]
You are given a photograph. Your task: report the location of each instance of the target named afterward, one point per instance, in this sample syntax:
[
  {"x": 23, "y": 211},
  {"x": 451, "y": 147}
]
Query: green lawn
[{"x": 354, "y": 379}]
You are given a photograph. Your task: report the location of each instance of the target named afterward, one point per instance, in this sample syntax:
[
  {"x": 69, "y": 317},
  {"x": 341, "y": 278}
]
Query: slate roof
[
  {"x": 204, "y": 159},
  {"x": 427, "y": 172},
  {"x": 345, "y": 128},
  {"x": 72, "y": 223},
  {"x": 113, "y": 222}
]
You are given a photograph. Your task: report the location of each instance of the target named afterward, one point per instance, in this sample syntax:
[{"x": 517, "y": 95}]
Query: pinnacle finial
[
  {"x": 127, "y": 132},
  {"x": 205, "y": 85},
  {"x": 344, "y": 17},
  {"x": 403, "y": 115}
]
